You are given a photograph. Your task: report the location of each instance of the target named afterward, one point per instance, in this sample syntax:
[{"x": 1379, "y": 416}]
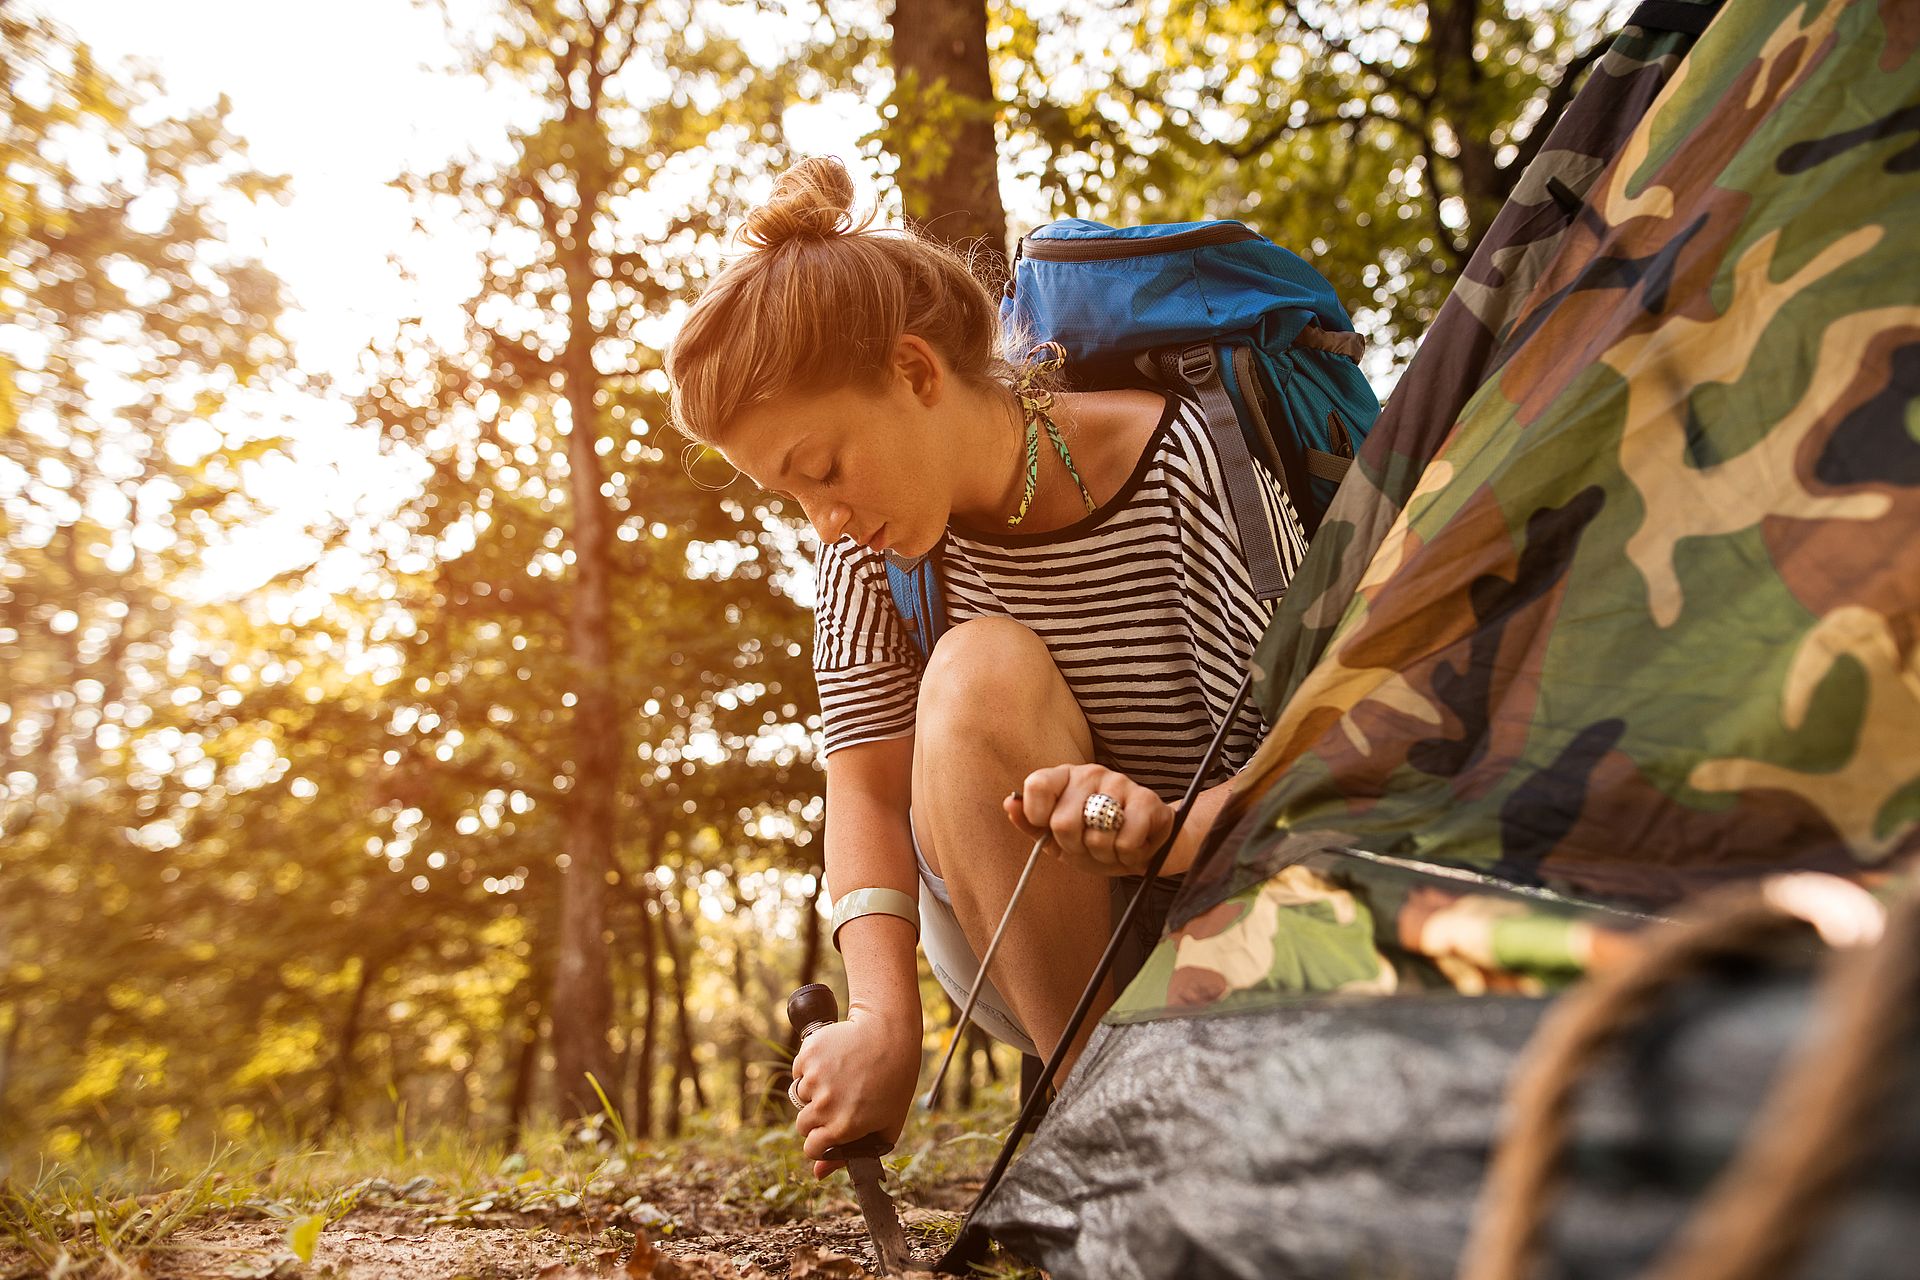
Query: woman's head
[{"x": 833, "y": 347}]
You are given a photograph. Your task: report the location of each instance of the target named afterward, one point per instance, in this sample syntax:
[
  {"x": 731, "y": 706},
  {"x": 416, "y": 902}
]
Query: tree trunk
[
  {"x": 944, "y": 87},
  {"x": 582, "y": 1006},
  {"x": 1459, "y": 81},
  {"x": 348, "y": 1041},
  {"x": 526, "y": 1068},
  {"x": 782, "y": 1076},
  {"x": 974, "y": 1044},
  {"x": 461, "y": 1098},
  {"x": 9, "y": 1055},
  {"x": 744, "y": 1019},
  {"x": 643, "y": 1082},
  {"x": 675, "y": 1110},
  {"x": 686, "y": 1068}
]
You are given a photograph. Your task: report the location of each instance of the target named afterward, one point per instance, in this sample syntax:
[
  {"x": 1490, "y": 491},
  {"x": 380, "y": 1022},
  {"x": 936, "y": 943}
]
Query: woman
[{"x": 1100, "y": 612}]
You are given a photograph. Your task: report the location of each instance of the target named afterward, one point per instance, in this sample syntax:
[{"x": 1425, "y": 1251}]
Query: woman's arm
[
  {"x": 1199, "y": 825},
  {"x": 869, "y": 845},
  {"x": 858, "y": 1075}
]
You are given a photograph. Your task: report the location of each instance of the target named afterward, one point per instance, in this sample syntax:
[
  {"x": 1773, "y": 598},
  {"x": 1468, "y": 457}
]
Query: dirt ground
[
  {"x": 371, "y": 1245},
  {"x": 665, "y": 1229}
]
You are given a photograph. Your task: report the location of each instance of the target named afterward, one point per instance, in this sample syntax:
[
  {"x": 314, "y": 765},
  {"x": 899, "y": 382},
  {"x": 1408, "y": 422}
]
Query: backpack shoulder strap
[{"x": 1198, "y": 368}]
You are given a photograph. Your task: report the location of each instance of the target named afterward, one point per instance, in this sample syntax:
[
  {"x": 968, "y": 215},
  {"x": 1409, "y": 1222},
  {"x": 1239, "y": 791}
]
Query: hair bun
[{"x": 812, "y": 201}]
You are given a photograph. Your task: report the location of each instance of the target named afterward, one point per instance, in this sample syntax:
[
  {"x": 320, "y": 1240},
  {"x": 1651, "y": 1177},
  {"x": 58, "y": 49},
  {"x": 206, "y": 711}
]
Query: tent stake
[
  {"x": 931, "y": 1098},
  {"x": 970, "y": 1245}
]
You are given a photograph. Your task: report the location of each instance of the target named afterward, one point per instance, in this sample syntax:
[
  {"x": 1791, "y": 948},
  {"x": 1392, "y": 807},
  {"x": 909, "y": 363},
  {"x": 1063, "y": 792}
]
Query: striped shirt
[{"x": 1145, "y": 604}]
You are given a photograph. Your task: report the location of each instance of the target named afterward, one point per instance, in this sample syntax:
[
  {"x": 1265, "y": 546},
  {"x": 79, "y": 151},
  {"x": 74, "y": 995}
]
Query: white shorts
[{"x": 955, "y": 965}]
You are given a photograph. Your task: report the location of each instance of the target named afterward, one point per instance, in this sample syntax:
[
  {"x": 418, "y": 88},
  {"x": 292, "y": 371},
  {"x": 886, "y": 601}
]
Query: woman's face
[{"x": 861, "y": 462}]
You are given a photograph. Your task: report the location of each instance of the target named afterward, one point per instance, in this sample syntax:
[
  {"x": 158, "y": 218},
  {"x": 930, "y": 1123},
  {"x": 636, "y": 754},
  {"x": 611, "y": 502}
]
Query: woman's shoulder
[
  {"x": 844, "y": 567},
  {"x": 1188, "y": 446}
]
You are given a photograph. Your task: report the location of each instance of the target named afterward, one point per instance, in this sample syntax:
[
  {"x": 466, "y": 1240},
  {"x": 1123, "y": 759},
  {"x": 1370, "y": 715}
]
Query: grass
[{"x": 104, "y": 1213}]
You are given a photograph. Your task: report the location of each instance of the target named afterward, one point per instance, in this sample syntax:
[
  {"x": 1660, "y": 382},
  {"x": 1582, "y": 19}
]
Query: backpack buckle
[{"x": 1196, "y": 364}]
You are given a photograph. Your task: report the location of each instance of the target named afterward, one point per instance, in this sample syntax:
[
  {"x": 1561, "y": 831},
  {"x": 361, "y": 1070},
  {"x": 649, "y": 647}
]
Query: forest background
[{"x": 391, "y": 741}]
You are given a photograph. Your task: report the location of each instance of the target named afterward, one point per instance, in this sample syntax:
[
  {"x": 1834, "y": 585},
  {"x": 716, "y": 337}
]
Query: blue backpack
[{"x": 1216, "y": 313}]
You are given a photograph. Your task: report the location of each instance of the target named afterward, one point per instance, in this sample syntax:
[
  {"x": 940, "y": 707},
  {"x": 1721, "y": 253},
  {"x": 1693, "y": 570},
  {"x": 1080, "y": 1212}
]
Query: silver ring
[
  {"x": 793, "y": 1095},
  {"x": 1102, "y": 812}
]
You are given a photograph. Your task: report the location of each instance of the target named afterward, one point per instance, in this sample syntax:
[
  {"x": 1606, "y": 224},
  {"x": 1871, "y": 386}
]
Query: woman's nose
[{"x": 829, "y": 519}]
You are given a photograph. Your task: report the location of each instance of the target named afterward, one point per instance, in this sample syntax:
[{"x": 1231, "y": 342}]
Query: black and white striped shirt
[{"x": 1145, "y": 604}]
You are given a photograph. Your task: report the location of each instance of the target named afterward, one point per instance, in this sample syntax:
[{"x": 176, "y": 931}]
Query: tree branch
[
  {"x": 549, "y": 217},
  {"x": 1253, "y": 146},
  {"x": 596, "y": 74},
  {"x": 623, "y": 30}
]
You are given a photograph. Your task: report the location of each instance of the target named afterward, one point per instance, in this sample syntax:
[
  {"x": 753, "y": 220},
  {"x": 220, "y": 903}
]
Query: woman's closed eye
[{"x": 832, "y": 474}]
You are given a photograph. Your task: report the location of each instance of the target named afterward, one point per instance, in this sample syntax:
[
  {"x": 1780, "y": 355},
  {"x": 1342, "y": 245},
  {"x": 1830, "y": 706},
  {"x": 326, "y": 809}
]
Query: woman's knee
[{"x": 983, "y": 670}]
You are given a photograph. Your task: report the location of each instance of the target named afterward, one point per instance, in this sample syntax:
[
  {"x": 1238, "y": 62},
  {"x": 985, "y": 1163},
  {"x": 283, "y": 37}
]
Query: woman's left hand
[{"x": 1053, "y": 801}]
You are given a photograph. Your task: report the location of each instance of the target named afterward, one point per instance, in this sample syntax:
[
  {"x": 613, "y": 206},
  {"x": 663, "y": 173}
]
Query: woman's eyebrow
[{"x": 786, "y": 459}]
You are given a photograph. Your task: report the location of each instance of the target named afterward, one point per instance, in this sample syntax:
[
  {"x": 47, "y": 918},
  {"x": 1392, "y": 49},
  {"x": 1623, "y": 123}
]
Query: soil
[{"x": 663, "y": 1230}]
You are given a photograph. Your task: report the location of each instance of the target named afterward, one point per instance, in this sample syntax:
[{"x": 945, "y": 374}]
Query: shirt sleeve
[{"x": 864, "y": 661}]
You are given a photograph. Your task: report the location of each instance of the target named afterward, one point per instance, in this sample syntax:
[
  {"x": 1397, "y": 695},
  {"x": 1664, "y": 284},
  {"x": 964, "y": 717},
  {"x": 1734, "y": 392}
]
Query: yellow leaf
[{"x": 304, "y": 1234}]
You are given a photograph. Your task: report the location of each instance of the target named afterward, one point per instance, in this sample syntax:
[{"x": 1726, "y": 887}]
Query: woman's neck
[{"x": 1104, "y": 432}]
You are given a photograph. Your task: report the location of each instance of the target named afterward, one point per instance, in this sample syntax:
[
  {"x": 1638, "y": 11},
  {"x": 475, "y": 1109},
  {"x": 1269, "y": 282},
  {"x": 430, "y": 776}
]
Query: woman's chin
[{"x": 911, "y": 547}]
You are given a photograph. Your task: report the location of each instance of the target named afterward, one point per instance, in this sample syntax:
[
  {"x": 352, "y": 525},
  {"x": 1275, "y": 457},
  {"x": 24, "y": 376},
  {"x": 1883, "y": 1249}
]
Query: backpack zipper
[{"x": 1110, "y": 247}]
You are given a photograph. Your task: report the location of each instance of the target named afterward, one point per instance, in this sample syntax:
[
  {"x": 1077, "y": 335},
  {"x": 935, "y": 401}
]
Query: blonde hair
[{"x": 819, "y": 304}]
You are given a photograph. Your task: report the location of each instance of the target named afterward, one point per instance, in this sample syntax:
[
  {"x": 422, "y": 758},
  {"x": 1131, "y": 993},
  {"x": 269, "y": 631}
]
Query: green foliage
[
  {"x": 1376, "y": 139},
  {"x": 921, "y": 122},
  {"x": 134, "y": 334}
]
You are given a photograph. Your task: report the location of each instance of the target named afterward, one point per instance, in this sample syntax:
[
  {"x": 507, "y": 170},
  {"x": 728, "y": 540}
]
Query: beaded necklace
[{"x": 1035, "y": 401}]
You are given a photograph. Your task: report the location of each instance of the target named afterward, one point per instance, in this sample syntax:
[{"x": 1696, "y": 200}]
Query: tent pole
[{"x": 970, "y": 1245}]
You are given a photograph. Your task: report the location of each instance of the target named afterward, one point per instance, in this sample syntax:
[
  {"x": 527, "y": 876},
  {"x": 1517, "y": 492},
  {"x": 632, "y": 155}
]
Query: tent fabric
[
  {"x": 1646, "y": 616},
  {"x": 1338, "y": 921}
]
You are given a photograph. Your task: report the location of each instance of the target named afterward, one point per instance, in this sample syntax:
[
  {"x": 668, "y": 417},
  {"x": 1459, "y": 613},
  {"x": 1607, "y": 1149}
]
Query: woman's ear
[{"x": 919, "y": 368}]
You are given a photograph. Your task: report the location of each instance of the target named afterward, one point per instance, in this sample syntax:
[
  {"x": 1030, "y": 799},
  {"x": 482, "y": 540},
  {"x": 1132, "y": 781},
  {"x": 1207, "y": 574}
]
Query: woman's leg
[{"x": 993, "y": 708}]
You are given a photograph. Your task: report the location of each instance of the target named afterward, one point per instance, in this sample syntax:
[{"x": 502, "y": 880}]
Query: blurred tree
[
  {"x": 1378, "y": 138},
  {"x": 130, "y": 330},
  {"x": 132, "y": 336},
  {"x": 591, "y": 627},
  {"x": 940, "y": 125}
]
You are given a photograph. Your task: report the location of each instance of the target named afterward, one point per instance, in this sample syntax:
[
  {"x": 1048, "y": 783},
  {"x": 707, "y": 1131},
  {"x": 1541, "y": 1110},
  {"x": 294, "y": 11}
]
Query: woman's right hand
[{"x": 855, "y": 1077}]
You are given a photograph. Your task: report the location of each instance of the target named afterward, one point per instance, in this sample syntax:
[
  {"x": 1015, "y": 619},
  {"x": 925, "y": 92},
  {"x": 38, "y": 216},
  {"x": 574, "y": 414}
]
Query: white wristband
[{"x": 870, "y": 902}]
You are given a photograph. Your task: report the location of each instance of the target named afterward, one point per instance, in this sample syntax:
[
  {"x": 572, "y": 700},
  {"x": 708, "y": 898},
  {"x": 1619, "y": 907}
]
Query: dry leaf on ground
[
  {"x": 821, "y": 1264},
  {"x": 648, "y": 1263}
]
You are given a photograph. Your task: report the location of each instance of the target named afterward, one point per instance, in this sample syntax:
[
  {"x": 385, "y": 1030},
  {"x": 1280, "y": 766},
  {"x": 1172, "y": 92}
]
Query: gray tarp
[{"x": 1374, "y": 1124}]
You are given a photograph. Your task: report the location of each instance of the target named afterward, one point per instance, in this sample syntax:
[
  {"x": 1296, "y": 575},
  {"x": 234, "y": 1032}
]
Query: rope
[{"x": 1808, "y": 1136}]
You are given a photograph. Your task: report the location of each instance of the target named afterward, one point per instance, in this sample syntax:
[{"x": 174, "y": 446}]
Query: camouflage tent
[{"x": 1622, "y": 600}]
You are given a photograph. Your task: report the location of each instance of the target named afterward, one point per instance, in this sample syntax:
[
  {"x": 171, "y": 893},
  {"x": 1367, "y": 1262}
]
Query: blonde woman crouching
[{"x": 1100, "y": 616}]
